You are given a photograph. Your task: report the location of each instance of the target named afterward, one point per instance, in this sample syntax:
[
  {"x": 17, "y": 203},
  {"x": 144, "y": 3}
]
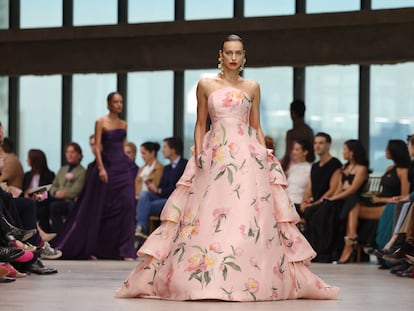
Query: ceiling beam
[{"x": 360, "y": 37}]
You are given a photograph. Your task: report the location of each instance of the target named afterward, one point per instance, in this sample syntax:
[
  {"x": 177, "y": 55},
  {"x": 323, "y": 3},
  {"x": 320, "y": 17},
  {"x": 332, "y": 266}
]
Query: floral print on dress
[{"x": 228, "y": 230}]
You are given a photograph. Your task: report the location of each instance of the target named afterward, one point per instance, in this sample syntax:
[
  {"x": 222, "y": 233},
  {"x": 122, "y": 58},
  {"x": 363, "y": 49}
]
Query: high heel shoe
[
  {"x": 11, "y": 232},
  {"x": 349, "y": 242}
]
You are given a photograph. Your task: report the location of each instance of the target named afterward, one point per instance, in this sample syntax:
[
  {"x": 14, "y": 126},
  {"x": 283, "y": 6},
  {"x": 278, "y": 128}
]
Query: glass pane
[
  {"x": 392, "y": 109},
  {"x": 95, "y": 12},
  {"x": 325, "y": 6},
  {"x": 89, "y": 103},
  {"x": 41, "y": 117},
  {"x": 212, "y": 9},
  {"x": 4, "y": 103},
  {"x": 387, "y": 4},
  {"x": 191, "y": 78},
  {"x": 143, "y": 11},
  {"x": 4, "y": 14},
  {"x": 268, "y": 7},
  {"x": 332, "y": 103},
  {"x": 276, "y": 86},
  {"x": 40, "y": 13},
  {"x": 150, "y": 108}
]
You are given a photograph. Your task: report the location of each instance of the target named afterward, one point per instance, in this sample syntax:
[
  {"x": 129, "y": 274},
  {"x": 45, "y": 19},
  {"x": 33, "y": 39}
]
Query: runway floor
[{"x": 89, "y": 285}]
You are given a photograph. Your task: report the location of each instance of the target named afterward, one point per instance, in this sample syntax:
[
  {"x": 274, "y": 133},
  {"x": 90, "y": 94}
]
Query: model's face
[
  {"x": 232, "y": 55},
  {"x": 129, "y": 152},
  {"x": 116, "y": 104},
  {"x": 72, "y": 156},
  {"x": 298, "y": 153},
  {"x": 146, "y": 155},
  {"x": 320, "y": 145}
]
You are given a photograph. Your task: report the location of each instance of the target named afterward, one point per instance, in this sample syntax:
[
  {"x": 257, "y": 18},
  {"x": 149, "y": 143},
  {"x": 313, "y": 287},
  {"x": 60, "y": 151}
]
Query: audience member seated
[
  {"x": 39, "y": 175},
  {"x": 12, "y": 170},
  {"x": 66, "y": 187},
  {"x": 323, "y": 182},
  {"x": 152, "y": 201},
  {"x": 92, "y": 164},
  {"x": 151, "y": 171},
  {"x": 130, "y": 150},
  {"x": 328, "y": 223},
  {"x": 394, "y": 182},
  {"x": 298, "y": 173}
]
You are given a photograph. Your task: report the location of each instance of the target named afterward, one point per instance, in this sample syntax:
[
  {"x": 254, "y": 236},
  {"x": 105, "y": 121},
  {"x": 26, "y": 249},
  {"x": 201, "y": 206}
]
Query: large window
[
  {"x": 40, "y": 13},
  {"x": 150, "y": 108},
  {"x": 332, "y": 103},
  {"x": 95, "y": 12},
  {"x": 41, "y": 117},
  {"x": 4, "y": 14},
  {"x": 212, "y": 9},
  {"x": 276, "y": 85},
  {"x": 326, "y": 6},
  {"x": 392, "y": 109},
  {"x": 89, "y": 103},
  {"x": 387, "y": 4},
  {"x": 4, "y": 103},
  {"x": 144, "y": 11},
  {"x": 268, "y": 7}
]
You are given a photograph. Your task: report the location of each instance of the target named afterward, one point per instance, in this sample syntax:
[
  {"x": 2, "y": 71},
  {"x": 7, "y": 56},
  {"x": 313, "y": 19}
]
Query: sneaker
[
  {"x": 48, "y": 252},
  {"x": 139, "y": 232}
]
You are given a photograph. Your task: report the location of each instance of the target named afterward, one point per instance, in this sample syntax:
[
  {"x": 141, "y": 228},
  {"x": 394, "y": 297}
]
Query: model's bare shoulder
[
  {"x": 252, "y": 87},
  {"x": 206, "y": 86}
]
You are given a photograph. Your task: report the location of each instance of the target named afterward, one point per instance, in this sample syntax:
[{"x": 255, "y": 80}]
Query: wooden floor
[{"x": 89, "y": 285}]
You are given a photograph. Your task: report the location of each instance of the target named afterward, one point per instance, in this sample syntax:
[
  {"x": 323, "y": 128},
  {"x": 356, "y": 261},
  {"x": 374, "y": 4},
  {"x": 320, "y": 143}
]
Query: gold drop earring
[
  {"x": 241, "y": 68},
  {"x": 220, "y": 64}
]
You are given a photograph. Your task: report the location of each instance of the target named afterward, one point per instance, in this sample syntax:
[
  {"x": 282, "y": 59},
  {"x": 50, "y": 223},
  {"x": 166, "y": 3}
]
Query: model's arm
[
  {"x": 103, "y": 175},
  {"x": 255, "y": 113},
  {"x": 201, "y": 122}
]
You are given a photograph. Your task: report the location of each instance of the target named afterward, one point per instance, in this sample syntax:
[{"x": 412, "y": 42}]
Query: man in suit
[{"x": 151, "y": 202}]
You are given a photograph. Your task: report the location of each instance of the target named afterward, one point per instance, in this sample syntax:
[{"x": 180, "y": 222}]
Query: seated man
[
  {"x": 152, "y": 201},
  {"x": 324, "y": 178},
  {"x": 66, "y": 187}
]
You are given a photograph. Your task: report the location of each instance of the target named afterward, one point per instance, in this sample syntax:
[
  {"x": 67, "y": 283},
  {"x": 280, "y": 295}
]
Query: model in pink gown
[{"x": 228, "y": 230}]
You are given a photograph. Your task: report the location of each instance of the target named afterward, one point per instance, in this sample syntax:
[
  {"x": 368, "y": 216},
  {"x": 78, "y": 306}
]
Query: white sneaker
[{"x": 48, "y": 252}]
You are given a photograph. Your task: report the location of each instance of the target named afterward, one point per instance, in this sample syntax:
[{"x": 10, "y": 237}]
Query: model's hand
[{"x": 103, "y": 176}]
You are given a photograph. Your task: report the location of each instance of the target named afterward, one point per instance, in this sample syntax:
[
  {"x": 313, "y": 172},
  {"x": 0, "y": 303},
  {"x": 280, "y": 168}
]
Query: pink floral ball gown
[{"x": 228, "y": 230}]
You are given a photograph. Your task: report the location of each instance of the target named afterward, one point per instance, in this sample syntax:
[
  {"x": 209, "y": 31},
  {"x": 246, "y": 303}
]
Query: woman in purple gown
[{"x": 102, "y": 222}]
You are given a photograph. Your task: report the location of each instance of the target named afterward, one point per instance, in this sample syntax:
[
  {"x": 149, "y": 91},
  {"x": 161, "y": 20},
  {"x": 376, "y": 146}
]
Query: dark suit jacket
[
  {"x": 170, "y": 177},
  {"x": 46, "y": 178}
]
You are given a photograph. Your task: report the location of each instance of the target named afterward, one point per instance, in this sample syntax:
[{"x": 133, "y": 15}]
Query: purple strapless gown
[{"x": 102, "y": 223}]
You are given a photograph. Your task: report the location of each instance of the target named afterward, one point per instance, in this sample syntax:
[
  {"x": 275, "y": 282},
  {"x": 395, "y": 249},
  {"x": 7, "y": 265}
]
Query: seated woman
[
  {"x": 326, "y": 223},
  {"x": 298, "y": 173},
  {"x": 403, "y": 205},
  {"x": 394, "y": 182},
  {"x": 151, "y": 171}
]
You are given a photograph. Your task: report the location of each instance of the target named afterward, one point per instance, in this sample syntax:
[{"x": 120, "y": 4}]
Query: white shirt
[
  {"x": 298, "y": 177},
  {"x": 146, "y": 171}
]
